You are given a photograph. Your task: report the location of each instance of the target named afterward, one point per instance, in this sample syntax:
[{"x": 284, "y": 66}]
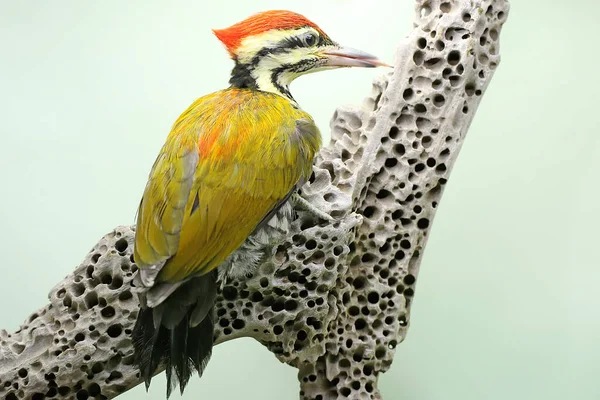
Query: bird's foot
[{"x": 305, "y": 205}]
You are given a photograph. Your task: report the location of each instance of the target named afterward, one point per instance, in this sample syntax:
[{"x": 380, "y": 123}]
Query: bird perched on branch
[{"x": 232, "y": 161}]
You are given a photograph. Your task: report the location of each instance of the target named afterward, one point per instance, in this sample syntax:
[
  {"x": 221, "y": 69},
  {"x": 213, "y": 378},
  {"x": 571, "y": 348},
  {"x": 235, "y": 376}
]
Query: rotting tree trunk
[{"x": 332, "y": 300}]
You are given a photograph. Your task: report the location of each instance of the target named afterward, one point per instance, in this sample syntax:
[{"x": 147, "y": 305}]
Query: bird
[{"x": 229, "y": 167}]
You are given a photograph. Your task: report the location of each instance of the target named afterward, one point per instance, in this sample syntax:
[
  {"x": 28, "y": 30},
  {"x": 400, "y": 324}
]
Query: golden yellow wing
[
  {"x": 162, "y": 208},
  {"x": 246, "y": 151}
]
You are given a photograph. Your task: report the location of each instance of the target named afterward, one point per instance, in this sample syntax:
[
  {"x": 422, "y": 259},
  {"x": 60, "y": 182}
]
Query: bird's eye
[{"x": 309, "y": 39}]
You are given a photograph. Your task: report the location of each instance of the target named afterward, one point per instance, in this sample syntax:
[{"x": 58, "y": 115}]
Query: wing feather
[
  {"x": 163, "y": 204},
  {"x": 222, "y": 172}
]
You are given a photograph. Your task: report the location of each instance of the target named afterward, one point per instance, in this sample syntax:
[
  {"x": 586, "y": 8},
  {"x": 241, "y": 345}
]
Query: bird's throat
[{"x": 244, "y": 76}]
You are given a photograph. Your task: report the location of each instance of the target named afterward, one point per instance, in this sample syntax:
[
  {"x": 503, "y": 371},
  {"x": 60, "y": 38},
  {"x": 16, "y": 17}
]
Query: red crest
[{"x": 262, "y": 22}]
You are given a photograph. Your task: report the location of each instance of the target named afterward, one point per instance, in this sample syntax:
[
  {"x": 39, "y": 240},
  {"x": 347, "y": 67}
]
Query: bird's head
[{"x": 272, "y": 48}]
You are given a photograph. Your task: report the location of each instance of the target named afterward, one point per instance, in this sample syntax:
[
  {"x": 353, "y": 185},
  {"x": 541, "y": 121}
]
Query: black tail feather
[
  {"x": 180, "y": 347},
  {"x": 178, "y": 342}
]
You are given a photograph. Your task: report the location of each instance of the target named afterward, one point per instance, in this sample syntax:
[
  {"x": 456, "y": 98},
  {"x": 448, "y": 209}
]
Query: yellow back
[{"x": 229, "y": 159}]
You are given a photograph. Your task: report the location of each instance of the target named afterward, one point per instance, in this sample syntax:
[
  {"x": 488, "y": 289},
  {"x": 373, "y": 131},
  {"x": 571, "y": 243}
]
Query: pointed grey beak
[{"x": 349, "y": 57}]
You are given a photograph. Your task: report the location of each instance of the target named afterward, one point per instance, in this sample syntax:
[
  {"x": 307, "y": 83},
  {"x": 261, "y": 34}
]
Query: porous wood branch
[{"x": 333, "y": 299}]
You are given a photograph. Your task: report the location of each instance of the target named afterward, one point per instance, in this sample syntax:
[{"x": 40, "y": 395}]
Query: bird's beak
[{"x": 349, "y": 57}]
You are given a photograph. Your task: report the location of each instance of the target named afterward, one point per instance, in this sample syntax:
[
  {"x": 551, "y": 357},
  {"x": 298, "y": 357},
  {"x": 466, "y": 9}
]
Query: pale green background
[{"x": 507, "y": 304}]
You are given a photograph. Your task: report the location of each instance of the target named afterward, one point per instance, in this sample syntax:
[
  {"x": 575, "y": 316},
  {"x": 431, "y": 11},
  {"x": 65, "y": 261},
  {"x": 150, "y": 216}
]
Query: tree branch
[{"x": 332, "y": 300}]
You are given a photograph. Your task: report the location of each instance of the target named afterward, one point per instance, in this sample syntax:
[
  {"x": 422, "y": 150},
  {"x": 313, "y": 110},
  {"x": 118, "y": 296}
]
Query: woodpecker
[{"x": 229, "y": 167}]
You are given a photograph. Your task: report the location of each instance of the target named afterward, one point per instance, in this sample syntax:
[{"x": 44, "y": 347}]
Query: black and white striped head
[{"x": 272, "y": 48}]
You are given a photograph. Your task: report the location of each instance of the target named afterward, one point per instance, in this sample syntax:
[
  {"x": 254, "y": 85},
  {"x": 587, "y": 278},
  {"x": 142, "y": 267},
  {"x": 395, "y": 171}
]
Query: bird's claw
[{"x": 305, "y": 205}]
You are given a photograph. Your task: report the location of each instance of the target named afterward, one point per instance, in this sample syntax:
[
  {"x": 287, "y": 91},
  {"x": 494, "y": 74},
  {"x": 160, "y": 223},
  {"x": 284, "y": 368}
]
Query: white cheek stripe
[
  {"x": 253, "y": 44},
  {"x": 264, "y": 70},
  {"x": 262, "y": 73}
]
